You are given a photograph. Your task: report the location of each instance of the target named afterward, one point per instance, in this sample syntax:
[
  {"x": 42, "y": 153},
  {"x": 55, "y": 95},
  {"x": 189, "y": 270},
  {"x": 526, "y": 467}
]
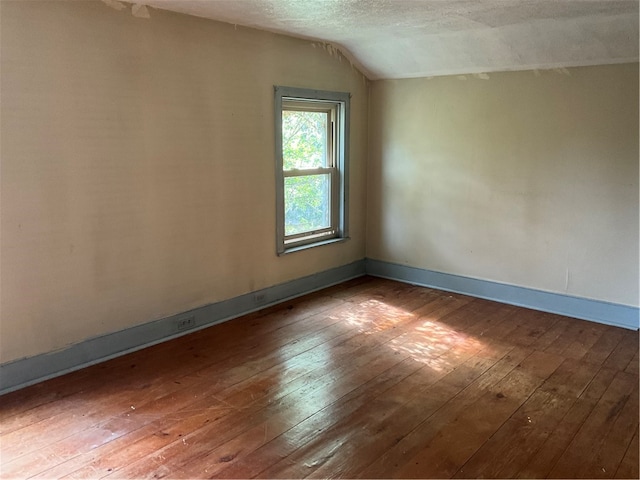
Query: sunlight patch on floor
[
  {"x": 436, "y": 345},
  {"x": 374, "y": 316},
  {"x": 429, "y": 340}
]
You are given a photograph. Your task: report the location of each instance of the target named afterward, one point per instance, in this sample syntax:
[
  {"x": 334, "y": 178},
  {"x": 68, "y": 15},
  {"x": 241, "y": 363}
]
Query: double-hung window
[{"x": 312, "y": 132}]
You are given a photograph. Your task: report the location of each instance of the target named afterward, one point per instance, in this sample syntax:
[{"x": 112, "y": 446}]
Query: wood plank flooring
[{"x": 371, "y": 378}]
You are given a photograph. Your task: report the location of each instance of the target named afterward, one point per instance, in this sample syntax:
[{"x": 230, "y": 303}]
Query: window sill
[{"x": 313, "y": 245}]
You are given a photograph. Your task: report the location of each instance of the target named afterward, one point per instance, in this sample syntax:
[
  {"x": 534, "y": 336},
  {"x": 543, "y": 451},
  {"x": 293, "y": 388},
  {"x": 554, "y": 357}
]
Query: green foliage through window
[
  {"x": 306, "y": 203},
  {"x": 304, "y": 139},
  {"x": 307, "y": 199}
]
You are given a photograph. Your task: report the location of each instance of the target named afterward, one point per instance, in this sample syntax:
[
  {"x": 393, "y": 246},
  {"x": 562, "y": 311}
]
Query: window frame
[{"x": 288, "y": 98}]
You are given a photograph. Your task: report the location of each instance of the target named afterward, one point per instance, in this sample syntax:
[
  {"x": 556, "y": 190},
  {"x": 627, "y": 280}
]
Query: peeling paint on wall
[
  {"x": 138, "y": 10},
  {"x": 335, "y": 51},
  {"x": 114, "y": 4},
  {"x": 562, "y": 71}
]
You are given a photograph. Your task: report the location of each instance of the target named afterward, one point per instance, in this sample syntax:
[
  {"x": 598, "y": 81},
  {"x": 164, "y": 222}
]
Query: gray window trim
[{"x": 341, "y": 99}]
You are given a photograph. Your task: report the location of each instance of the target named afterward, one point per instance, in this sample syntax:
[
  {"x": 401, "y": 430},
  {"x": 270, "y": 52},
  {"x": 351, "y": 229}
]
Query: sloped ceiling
[{"x": 422, "y": 38}]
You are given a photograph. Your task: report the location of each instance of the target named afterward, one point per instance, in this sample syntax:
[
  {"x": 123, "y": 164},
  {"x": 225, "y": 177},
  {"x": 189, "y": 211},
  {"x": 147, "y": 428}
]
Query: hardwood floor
[{"x": 371, "y": 378}]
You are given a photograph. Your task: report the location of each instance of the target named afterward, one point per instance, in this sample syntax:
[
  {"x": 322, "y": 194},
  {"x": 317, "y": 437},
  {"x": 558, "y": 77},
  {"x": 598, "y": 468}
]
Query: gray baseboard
[
  {"x": 583, "y": 308},
  {"x": 27, "y": 371}
]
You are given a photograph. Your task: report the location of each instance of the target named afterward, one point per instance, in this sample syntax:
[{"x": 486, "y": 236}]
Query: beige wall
[
  {"x": 137, "y": 171},
  {"x": 138, "y": 167},
  {"x": 525, "y": 178}
]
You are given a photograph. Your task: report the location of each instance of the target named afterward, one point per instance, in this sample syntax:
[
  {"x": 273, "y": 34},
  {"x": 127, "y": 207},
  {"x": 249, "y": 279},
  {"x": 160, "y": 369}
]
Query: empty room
[{"x": 319, "y": 238}]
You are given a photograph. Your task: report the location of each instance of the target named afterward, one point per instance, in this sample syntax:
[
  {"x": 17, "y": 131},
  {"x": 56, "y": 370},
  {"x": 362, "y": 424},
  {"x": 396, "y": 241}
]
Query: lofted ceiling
[{"x": 422, "y": 38}]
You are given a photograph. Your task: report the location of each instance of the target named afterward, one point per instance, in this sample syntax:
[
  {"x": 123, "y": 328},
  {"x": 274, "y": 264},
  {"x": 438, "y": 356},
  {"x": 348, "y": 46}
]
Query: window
[{"x": 312, "y": 132}]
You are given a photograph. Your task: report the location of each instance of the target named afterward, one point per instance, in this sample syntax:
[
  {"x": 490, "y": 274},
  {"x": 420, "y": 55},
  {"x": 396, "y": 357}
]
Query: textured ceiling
[{"x": 421, "y": 38}]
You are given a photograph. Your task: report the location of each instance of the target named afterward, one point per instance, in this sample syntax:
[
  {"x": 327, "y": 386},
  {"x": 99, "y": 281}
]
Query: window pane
[
  {"x": 304, "y": 139},
  {"x": 307, "y": 204}
]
